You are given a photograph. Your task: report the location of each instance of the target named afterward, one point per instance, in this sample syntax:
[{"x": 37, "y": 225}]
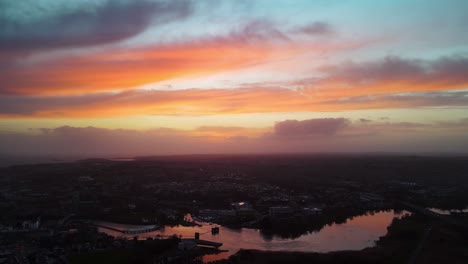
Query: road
[{"x": 417, "y": 251}]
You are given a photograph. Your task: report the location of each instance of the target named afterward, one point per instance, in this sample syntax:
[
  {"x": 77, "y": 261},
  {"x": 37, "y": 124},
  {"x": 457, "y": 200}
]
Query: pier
[
  {"x": 130, "y": 231},
  {"x": 205, "y": 243}
]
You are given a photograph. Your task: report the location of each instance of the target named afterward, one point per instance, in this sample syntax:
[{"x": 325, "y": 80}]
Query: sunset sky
[{"x": 148, "y": 77}]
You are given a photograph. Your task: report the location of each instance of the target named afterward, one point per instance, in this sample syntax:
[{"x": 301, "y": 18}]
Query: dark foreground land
[{"x": 46, "y": 208}]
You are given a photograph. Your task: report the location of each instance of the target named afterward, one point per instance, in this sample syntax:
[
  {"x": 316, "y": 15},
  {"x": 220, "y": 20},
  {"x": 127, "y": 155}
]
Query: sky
[{"x": 151, "y": 77}]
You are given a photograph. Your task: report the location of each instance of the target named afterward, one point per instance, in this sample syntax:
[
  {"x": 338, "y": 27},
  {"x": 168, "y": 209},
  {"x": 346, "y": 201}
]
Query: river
[{"x": 355, "y": 234}]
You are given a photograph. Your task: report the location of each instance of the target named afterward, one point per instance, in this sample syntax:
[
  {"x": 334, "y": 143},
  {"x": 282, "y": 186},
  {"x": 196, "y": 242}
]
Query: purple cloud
[
  {"x": 445, "y": 70},
  {"x": 414, "y": 99},
  {"x": 113, "y": 21},
  {"x": 315, "y": 28},
  {"x": 321, "y": 126}
]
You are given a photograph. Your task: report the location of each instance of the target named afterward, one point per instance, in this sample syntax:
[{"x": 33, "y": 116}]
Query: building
[
  {"x": 243, "y": 209},
  {"x": 312, "y": 211},
  {"x": 208, "y": 213},
  {"x": 371, "y": 199},
  {"x": 281, "y": 211}
]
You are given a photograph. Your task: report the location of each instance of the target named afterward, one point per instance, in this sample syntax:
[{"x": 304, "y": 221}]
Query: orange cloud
[
  {"x": 125, "y": 69},
  {"x": 389, "y": 83},
  {"x": 211, "y": 101}
]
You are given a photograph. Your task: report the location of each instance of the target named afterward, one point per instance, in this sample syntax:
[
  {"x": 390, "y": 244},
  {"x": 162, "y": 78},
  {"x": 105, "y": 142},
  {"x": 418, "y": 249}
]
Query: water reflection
[{"x": 355, "y": 234}]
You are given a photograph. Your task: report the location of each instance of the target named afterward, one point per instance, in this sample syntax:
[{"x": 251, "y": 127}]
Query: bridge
[
  {"x": 130, "y": 231},
  {"x": 206, "y": 243}
]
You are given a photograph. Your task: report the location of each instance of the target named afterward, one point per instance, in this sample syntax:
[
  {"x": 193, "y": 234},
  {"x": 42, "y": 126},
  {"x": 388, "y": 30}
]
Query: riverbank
[{"x": 407, "y": 241}]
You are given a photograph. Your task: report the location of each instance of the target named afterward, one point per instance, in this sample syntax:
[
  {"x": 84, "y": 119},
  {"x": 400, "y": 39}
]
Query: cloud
[
  {"x": 91, "y": 141},
  {"x": 402, "y": 100},
  {"x": 258, "y": 30},
  {"x": 313, "y": 135},
  {"x": 130, "y": 103},
  {"x": 253, "y": 43},
  {"x": 321, "y": 126},
  {"x": 364, "y": 120},
  {"x": 391, "y": 75},
  {"x": 196, "y": 102},
  {"x": 85, "y": 26},
  {"x": 101, "y": 142},
  {"x": 387, "y": 69},
  {"x": 79, "y": 85},
  {"x": 248, "y": 44},
  {"x": 314, "y": 29},
  {"x": 462, "y": 123}
]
